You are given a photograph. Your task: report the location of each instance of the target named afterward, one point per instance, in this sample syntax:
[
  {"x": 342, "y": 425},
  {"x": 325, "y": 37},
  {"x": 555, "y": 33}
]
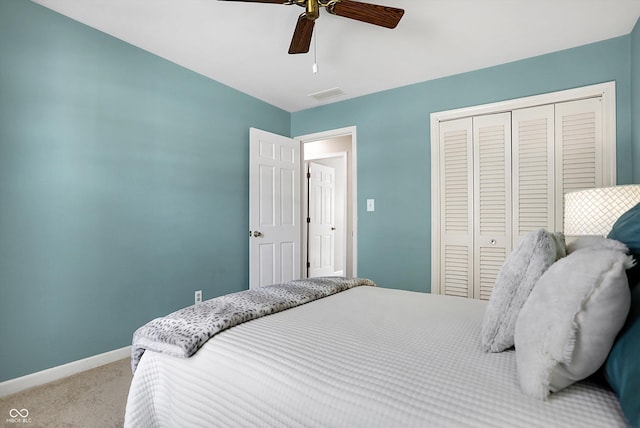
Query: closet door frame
[{"x": 605, "y": 90}]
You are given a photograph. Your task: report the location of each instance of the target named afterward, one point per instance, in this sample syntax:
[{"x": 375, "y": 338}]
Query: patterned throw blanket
[{"x": 183, "y": 332}]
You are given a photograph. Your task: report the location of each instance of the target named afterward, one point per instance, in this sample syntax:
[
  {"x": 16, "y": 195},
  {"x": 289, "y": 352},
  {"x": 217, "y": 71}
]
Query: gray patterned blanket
[{"x": 183, "y": 332}]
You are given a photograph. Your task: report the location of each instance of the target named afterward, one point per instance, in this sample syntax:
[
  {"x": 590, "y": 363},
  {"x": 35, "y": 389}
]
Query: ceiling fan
[{"x": 383, "y": 16}]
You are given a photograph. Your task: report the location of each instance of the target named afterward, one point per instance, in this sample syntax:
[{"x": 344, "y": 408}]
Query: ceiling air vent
[{"x": 329, "y": 93}]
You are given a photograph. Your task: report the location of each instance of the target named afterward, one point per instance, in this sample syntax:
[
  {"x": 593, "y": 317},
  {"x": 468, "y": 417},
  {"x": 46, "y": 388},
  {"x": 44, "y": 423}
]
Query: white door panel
[
  {"x": 579, "y": 150},
  {"x": 456, "y": 208},
  {"x": 492, "y": 199},
  {"x": 322, "y": 188},
  {"x": 533, "y": 160},
  {"x": 274, "y": 208}
]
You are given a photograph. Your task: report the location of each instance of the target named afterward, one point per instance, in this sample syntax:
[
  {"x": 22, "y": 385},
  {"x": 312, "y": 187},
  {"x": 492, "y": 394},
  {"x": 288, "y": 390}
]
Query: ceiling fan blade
[
  {"x": 375, "y": 14},
  {"x": 302, "y": 35}
]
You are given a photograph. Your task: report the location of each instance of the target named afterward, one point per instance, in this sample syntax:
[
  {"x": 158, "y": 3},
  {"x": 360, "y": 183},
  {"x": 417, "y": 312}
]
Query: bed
[
  {"x": 365, "y": 357},
  {"x": 370, "y": 356}
]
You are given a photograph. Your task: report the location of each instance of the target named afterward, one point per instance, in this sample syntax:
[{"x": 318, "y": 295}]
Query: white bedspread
[{"x": 366, "y": 357}]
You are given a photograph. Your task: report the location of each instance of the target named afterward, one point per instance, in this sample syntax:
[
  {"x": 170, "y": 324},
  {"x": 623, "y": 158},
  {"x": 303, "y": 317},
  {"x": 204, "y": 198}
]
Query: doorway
[{"x": 335, "y": 150}]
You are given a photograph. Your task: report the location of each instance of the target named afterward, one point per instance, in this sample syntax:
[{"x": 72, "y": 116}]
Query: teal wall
[
  {"x": 394, "y": 153},
  {"x": 124, "y": 178},
  {"x": 123, "y": 188},
  {"x": 635, "y": 99}
]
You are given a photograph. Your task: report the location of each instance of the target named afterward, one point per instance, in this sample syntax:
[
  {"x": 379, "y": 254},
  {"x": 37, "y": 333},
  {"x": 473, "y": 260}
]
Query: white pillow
[
  {"x": 522, "y": 268},
  {"x": 566, "y": 328}
]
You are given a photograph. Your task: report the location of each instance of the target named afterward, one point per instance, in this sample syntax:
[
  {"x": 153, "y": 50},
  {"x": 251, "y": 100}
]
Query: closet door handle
[{"x": 256, "y": 234}]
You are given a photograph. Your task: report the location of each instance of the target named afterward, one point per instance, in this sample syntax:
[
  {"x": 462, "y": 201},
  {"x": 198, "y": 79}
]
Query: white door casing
[
  {"x": 350, "y": 232},
  {"x": 321, "y": 220},
  {"x": 274, "y": 208}
]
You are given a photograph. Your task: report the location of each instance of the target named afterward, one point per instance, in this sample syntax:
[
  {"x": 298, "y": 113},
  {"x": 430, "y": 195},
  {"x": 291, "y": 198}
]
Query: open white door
[
  {"x": 321, "y": 221},
  {"x": 274, "y": 208}
]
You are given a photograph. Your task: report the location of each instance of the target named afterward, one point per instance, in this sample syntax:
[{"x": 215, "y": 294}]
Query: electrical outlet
[{"x": 199, "y": 296}]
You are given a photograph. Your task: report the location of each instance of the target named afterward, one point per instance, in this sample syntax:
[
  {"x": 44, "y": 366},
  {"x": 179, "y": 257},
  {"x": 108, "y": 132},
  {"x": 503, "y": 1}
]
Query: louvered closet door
[
  {"x": 579, "y": 149},
  {"x": 456, "y": 208},
  {"x": 492, "y": 199},
  {"x": 533, "y": 170}
]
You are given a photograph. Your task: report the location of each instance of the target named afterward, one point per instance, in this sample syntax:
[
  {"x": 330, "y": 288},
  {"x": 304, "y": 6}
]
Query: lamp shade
[{"x": 594, "y": 211}]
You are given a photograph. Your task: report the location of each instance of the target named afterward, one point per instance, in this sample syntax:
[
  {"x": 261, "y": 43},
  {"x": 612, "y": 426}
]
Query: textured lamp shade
[{"x": 594, "y": 211}]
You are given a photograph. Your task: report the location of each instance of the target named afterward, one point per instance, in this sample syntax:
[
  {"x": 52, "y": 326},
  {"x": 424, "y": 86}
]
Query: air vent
[{"x": 329, "y": 93}]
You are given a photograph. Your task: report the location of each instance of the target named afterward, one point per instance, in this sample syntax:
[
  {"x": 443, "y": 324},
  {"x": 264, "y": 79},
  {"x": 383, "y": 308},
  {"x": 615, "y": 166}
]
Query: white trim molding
[{"x": 13, "y": 386}]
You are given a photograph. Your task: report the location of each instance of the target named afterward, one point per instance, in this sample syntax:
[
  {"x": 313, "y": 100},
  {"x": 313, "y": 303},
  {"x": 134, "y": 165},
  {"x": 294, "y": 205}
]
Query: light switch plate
[{"x": 371, "y": 205}]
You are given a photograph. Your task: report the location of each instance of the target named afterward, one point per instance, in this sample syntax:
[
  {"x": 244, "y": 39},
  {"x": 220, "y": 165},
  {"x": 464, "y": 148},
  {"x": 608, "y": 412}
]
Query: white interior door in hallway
[{"x": 321, "y": 220}]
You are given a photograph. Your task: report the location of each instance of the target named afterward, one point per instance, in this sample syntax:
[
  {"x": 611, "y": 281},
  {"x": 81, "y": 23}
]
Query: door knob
[
  {"x": 333, "y": 228},
  {"x": 256, "y": 234}
]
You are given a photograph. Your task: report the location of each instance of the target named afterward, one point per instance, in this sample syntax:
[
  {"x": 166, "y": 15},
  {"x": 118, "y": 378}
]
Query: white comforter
[{"x": 366, "y": 357}]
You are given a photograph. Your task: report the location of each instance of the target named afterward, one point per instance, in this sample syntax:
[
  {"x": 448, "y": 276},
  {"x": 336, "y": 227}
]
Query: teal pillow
[
  {"x": 622, "y": 368},
  {"x": 627, "y": 230}
]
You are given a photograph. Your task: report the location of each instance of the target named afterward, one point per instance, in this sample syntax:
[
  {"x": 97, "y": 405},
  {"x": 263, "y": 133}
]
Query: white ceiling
[{"x": 244, "y": 45}]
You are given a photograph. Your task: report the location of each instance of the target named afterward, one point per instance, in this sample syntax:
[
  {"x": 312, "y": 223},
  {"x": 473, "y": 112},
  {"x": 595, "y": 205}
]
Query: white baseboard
[{"x": 12, "y": 386}]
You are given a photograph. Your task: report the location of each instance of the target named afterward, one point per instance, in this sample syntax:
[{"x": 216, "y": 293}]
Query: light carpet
[{"x": 94, "y": 398}]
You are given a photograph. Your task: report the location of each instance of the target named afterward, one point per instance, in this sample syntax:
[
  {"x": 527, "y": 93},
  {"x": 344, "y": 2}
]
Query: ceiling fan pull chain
[{"x": 315, "y": 52}]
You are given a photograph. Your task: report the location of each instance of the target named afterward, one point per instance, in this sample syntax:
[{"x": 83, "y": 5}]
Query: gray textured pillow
[
  {"x": 564, "y": 334},
  {"x": 521, "y": 270}
]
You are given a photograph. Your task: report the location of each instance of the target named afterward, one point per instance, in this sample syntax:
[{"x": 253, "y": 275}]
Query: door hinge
[
  {"x": 308, "y": 265},
  {"x": 308, "y": 219},
  {"x": 308, "y": 175}
]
